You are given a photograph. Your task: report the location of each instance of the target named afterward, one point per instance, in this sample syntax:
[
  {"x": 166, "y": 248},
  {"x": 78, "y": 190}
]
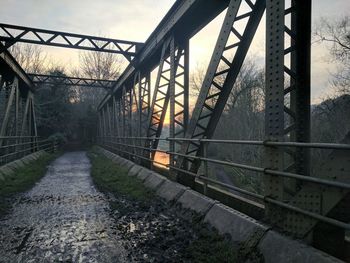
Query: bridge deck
[{"x": 65, "y": 218}]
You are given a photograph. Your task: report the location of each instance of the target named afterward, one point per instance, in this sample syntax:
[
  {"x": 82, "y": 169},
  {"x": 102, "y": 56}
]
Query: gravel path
[{"x": 63, "y": 218}]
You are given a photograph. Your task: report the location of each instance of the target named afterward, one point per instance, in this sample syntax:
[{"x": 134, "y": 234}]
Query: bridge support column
[
  {"x": 179, "y": 97},
  {"x": 288, "y": 48}
]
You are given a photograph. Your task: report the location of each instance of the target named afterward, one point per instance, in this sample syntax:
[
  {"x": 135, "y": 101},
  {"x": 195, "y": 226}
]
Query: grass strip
[
  {"x": 109, "y": 177},
  {"x": 23, "y": 179}
]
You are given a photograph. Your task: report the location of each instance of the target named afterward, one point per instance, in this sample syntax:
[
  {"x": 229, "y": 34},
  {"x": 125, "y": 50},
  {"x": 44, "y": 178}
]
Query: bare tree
[
  {"x": 248, "y": 79},
  {"x": 31, "y": 57},
  {"x": 336, "y": 33},
  {"x": 97, "y": 65},
  {"x": 100, "y": 65},
  {"x": 243, "y": 118}
]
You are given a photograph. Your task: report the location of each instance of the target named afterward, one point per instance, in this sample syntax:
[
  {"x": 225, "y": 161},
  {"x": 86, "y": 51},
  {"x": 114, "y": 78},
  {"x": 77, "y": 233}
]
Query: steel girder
[
  {"x": 10, "y": 34},
  {"x": 287, "y": 103},
  {"x": 179, "y": 97},
  {"x": 184, "y": 20},
  {"x": 160, "y": 98},
  {"x": 17, "y": 111},
  {"x": 141, "y": 107},
  {"x": 144, "y": 103},
  {"x": 17, "y": 114},
  {"x": 287, "y": 106},
  {"x": 287, "y": 117},
  {"x": 220, "y": 78},
  {"x": 71, "y": 81},
  {"x": 171, "y": 85},
  {"x": 127, "y": 102}
]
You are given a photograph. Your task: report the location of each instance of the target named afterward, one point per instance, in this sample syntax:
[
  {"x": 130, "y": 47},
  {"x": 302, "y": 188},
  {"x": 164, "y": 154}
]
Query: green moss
[
  {"x": 109, "y": 177},
  {"x": 23, "y": 179},
  {"x": 211, "y": 249},
  {"x": 209, "y": 245}
]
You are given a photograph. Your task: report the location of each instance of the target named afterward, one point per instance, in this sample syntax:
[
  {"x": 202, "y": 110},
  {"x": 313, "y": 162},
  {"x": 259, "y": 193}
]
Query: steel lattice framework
[
  {"x": 287, "y": 114},
  {"x": 12, "y": 34},
  {"x": 133, "y": 115},
  {"x": 71, "y": 81}
]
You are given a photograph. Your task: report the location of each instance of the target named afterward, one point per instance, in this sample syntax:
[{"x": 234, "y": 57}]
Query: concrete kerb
[
  {"x": 128, "y": 165},
  {"x": 20, "y": 162},
  {"x": 229, "y": 221},
  {"x": 28, "y": 158},
  {"x": 5, "y": 170},
  {"x": 278, "y": 248},
  {"x": 171, "y": 191},
  {"x": 116, "y": 159},
  {"x": 195, "y": 201},
  {"x": 154, "y": 181},
  {"x": 25, "y": 160},
  {"x": 11, "y": 167},
  {"x": 242, "y": 229},
  {"x": 134, "y": 170},
  {"x": 143, "y": 174},
  {"x": 122, "y": 161}
]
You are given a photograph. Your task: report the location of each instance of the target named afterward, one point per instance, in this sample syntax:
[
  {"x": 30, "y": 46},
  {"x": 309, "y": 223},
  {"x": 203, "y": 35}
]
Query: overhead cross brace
[
  {"x": 71, "y": 81},
  {"x": 11, "y": 34}
]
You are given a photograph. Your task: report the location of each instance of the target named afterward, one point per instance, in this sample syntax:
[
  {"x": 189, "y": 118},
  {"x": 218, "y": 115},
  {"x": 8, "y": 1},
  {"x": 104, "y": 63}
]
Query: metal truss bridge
[{"x": 131, "y": 120}]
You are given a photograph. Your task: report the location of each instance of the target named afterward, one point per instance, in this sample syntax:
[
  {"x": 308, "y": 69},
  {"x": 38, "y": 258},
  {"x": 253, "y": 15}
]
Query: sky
[{"x": 136, "y": 19}]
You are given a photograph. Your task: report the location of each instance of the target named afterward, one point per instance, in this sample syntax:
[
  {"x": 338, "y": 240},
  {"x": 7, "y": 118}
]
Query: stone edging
[
  {"x": 11, "y": 167},
  {"x": 243, "y": 229}
]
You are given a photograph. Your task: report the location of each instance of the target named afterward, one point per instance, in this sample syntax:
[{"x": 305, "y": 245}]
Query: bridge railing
[
  {"x": 131, "y": 148},
  {"x": 15, "y": 147}
]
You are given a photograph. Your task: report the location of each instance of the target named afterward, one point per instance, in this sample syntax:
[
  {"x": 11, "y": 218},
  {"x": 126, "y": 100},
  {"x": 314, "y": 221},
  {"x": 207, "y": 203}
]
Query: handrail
[
  {"x": 108, "y": 141},
  {"x": 14, "y": 151}
]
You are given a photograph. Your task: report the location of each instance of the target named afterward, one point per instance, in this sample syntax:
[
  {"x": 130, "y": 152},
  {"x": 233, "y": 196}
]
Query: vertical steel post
[
  {"x": 287, "y": 115},
  {"x": 108, "y": 120},
  {"x": 206, "y": 167},
  {"x": 8, "y": 110},
  {"x": 35, "y": 129},
  {"x": 114, "y": 117},
  {"x": 160, "y": 99},
  {"x": 274, "y": 102},
  {"x": 300, "y": 66},
  {"x": 172, "y": 91},
  {"x": 131, "y": 131},
  {"x": 178, "y": 95},
  {"x": 30, "y": 117},
  {"x": 17, "y": 118},
  {"x": 104, "y": 124},
  {"x": 25, "y": 116}
]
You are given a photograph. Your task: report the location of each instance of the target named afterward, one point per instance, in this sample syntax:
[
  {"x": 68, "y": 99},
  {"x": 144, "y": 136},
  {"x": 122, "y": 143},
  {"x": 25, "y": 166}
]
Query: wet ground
[{"x": 63, "y": 218}]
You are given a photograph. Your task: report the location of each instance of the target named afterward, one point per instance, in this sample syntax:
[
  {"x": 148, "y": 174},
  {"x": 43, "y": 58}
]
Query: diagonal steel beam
[
  {"x": 184, "y": 20},
  {"x": 208, "y": 110}
]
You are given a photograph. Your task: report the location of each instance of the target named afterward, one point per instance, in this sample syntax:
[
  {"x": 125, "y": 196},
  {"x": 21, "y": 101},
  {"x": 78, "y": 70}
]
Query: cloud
[{"x": 135, "y": 20}]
